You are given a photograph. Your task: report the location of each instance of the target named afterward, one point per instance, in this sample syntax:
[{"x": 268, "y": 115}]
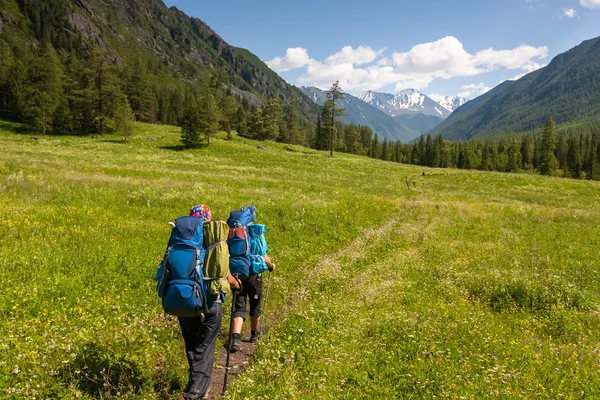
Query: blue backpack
[
  {"x": 258, "y": 248},
  {"x": 180, "y": 275},
  {"x": 238, "y": 240}
]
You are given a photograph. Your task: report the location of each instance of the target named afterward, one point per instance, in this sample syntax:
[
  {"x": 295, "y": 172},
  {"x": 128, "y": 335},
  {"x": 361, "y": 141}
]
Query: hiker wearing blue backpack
[
  {"x": 248, "y": 259},
  {"x": 192, "y": 281}
]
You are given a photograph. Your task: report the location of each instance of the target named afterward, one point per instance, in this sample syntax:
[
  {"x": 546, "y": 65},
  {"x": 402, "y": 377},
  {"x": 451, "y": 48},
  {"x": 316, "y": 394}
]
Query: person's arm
[
  {"x": 233, "y": 281},
  {"x": 270, "y": 264}
]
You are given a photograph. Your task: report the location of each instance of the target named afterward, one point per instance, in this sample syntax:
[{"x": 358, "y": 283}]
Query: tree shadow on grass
[
  {"x": 24, "y": 129},
  {"x": 17, "y": 128},
  {"x": 115, "y": 141},
  {"x": 182, "y": 147}
]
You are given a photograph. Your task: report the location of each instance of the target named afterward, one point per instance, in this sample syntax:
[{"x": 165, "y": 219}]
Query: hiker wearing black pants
[
  {"x": 200, "y": 336},
  {"x": 200, "y": 339},
  {"x": 252, "y": 290}
]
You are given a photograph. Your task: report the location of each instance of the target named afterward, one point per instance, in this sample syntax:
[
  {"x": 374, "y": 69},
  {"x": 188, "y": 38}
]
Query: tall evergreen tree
[
  {"x": 139, "y": 92},
  {"x": 108, "y": 90},
  {"x": 240, "y": 123},
  {"x": 209, "y": 116},
  {"x": 44, "y": 89},
  {"x": 256, "y": 124},
  {"x": 293, "y": 117},
  {"x": 548, "y": 162},
  {"x": 190, "y": 127},
  {"x": 333, "y": 95},
  {"x": 272, "y": 119},
  {"x": 321, "y": 140},
  {"x": 123, "y": 117},
  {"x": 573, "y": 157}
]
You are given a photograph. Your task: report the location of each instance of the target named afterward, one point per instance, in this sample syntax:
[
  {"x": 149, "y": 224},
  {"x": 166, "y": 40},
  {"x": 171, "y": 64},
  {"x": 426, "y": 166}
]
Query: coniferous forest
[{"x": 571, "y": 151}]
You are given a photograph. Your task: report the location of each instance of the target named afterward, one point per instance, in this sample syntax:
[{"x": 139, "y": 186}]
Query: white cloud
[
  {"x": 366, "y": 69},
  {"x": 474, "y": 89},
  {"x": 360, "y": 55},
  {"x": 294, "y": 58},
  {"x": 569, "y": 12},
  {"x": 590, "y": 3}
]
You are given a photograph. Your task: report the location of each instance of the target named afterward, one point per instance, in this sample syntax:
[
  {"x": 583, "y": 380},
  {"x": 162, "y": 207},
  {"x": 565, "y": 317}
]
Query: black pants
[
  {"x": 200, "y": 341},
  {"x": 251, "y": 288}
]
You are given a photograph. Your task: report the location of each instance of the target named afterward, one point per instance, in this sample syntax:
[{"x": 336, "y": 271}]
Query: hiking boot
[
  {"x": 236, "y": 343},
  {"x": 254, "y": 336}
]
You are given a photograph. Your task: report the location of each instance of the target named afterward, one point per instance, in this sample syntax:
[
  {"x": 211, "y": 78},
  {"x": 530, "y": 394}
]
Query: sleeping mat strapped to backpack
[{"x": 258, "y": 248}]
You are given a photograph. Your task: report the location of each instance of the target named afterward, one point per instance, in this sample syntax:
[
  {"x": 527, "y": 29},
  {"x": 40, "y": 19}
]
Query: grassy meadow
[{"x": 390, "y": 284}]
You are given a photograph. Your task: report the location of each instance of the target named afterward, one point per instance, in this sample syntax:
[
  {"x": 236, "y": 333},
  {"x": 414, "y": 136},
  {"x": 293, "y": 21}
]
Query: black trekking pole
[
  {"x": 264, "y": 310},
  {"x": 233, "y": 297}
]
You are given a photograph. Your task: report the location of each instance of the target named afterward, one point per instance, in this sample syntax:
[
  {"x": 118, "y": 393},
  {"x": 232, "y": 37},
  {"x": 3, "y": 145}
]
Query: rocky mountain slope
[{"x": 173, "y": 44}]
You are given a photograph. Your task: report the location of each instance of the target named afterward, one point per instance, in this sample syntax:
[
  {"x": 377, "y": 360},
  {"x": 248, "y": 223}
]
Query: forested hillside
[
  {"x": 71, "y": 65},
  {"x": 568, "y": 89}
]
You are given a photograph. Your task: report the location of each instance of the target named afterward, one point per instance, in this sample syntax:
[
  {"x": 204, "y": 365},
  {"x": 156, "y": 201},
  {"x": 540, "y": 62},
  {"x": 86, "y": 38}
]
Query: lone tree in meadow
[
  {"x": 330, "y": 111},
  {"x": 124, "y": 118},
  {"x": 190, "y": 127},
  {"x": 209, "y": 116}
]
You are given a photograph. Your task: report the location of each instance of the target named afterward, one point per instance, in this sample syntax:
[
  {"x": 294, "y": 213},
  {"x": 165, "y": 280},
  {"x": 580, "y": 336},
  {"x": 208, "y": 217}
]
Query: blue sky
[{"x": 437, "y": 46}]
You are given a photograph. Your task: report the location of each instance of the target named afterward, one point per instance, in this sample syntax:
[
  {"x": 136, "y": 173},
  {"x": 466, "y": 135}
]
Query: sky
[{"x": 439, "y": 47}]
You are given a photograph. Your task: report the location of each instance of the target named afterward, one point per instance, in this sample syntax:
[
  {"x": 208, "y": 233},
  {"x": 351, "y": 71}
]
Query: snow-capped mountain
[
  {"x": 361, "y": 113},
  {"x": 450, "y": 103},
  {"x": 411, "y": 102}
]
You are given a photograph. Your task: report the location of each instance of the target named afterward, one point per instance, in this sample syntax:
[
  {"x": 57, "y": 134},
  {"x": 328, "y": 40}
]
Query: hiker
[
  {"x": 248, "y": 259},
  {"x": 200, "y": 336},
  {"x": 192, "y": 284}
]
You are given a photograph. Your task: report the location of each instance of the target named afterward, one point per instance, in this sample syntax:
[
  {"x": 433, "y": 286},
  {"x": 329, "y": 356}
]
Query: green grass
[{"x": 389, "y": 284}]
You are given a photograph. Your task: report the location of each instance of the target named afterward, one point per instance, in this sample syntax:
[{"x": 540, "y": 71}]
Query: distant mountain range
[
  {"x": 568, "y": 89},
  {"x": 412, "y": 102},
  {"x": 360, "y": 113},
  {"x": 404, "y": 116}
]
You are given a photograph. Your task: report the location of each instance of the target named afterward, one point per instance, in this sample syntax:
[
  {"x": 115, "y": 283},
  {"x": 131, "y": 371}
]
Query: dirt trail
[{"x": 329, "y": 265}]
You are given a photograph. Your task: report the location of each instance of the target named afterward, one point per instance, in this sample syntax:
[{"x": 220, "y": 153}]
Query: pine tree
[
  {"x": 139, "y": 92},
  {"x": 548, "y": 162},
  {"x": 573, "y": 157},
  {"x": 334, "y": 94},
  {"x": 124, "y": 118},
  {"x": 421, "y": 152},
  {"x": 514, "y": 156},
  {"x": 209, "y": 116},
  {"x": 190, "y": 127},
  {"x": 6, "y": 63},
  {"x": 62, "y": 121},
  {"x": 240, "y": 124},
  {"x": 108, "y": 91},
  {"x": 293, "y": 117},
  {"x": 322, "y": 134},
  {"x": 44, "y": 88},
  {"x": 272, "y": 119},
  {"x": 256, "y": 124},
  {"x": 83, "y": 94},
  {"x": 375, "y": 147},
  {"x": 384, "y": 150}
]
